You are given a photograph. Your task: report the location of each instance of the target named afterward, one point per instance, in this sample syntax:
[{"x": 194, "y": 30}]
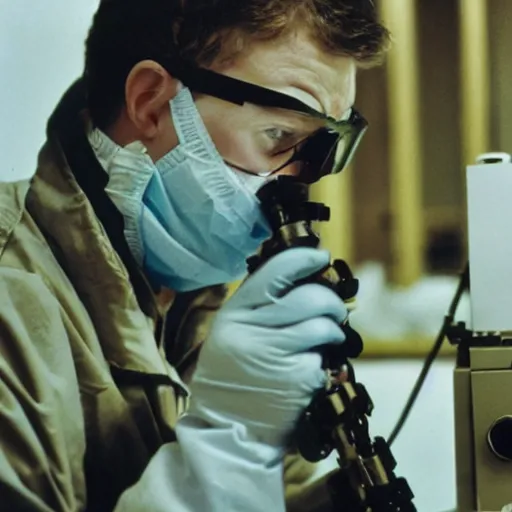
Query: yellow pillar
[
  {"x": 337, "y": 235},
  {"x": 475, "y": 79},
  {"x": 407, "y": 244}
]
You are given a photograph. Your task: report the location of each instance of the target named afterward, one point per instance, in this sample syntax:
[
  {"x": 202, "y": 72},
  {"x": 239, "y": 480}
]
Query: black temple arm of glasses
[{"x": 236, "y": 91}]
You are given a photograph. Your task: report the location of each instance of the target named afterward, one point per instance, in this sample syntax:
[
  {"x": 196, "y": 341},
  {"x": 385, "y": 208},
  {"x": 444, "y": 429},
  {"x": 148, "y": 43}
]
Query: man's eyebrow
[
  {"x": 307, "y": 92},
  {"x": 298, "y": 120}
]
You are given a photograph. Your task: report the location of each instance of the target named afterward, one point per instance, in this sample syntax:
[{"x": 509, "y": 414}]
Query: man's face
[
  {"x": 249, "y": 137},
  {"x": 260, "y": 139}
]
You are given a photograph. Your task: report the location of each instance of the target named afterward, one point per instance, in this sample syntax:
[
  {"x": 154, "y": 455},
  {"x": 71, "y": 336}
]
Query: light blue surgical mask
[{"x": 190, "y": 220}]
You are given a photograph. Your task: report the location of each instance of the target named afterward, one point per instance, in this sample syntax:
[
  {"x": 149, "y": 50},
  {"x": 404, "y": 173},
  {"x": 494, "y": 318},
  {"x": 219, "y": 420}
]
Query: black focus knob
[{"x": 499, "y": 438}]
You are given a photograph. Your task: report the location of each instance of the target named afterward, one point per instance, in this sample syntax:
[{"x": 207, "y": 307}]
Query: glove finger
[
  {"x": 308, "y": 373},
  {"x": 278, "y": 275},
  {"x": 303, "y": 303},
  {"x": 311, "y": 334}
]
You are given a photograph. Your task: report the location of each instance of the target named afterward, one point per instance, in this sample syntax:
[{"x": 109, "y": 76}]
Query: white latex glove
[
  {"x": 255, "y": 375},
  {"x": 256, "y": 369}
]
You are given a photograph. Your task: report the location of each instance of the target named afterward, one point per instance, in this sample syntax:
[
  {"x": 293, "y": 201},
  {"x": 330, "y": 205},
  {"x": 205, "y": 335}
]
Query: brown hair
[{"x": 125, "y": 32}]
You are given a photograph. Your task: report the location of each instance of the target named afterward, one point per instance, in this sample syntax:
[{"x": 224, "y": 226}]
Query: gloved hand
[
  {"x": 255, "y": 375},
  {"x": 257, "y": 369}
]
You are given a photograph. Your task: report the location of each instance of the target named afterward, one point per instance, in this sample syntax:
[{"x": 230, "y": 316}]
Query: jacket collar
[
  {"x": 90, "y": 246},
  {"x": 67, "y": 127},
  {"x": 87, "y": 180}
]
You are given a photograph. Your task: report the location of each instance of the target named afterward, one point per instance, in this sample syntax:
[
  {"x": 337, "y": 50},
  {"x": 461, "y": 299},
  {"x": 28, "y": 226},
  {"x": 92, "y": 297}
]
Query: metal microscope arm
[{"x": 337, "y": 419}]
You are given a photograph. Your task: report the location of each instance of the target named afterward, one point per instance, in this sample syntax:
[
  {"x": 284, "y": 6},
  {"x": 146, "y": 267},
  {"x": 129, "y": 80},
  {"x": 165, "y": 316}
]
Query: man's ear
[{"x": 149, "y": 88}]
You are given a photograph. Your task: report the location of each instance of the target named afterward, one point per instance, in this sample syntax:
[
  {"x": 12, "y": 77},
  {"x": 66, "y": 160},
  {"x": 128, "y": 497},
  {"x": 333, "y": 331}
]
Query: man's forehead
[
  {"x": 334, "y": 105},
  {"x": 297, "y": 66}
]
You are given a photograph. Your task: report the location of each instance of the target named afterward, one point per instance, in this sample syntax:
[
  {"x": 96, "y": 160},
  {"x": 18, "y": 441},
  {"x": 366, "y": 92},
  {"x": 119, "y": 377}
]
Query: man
[{"x": 113, "y": 257}]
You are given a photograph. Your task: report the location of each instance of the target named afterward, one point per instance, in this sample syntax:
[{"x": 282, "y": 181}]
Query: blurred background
[{"x": 399, "y": 218}]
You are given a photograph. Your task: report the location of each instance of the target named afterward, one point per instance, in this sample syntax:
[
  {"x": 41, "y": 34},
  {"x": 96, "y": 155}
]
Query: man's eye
[
  {"x": 279, "y": 135},
  {"x": 279, "y": 141}
]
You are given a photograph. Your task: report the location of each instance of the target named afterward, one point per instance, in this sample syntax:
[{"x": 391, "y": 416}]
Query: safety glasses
[{"x": 327, "y": 151}]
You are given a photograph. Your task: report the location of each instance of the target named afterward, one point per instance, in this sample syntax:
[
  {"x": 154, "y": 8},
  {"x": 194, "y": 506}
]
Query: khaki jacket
[{"x": 90, "y": 370}]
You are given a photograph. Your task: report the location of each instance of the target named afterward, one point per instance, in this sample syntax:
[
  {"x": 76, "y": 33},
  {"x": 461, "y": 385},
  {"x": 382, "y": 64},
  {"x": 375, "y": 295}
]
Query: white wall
[
  {"x": 425, "y": 449},
  {"x": 41, "y": 54}
]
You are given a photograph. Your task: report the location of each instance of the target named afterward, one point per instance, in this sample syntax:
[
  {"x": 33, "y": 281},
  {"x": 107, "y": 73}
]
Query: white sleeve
[{"x": 209, "y": 470}]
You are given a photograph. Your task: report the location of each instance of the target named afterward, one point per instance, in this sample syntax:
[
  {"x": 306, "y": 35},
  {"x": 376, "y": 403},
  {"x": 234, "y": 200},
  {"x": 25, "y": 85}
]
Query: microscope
[
  {"x": 337, "y": 419},
  {"x": 483, "y": 373}
]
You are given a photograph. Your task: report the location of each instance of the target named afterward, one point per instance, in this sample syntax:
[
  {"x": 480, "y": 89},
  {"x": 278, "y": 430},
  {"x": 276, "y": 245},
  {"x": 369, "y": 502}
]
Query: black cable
[{"x": 448, "y": 320}]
